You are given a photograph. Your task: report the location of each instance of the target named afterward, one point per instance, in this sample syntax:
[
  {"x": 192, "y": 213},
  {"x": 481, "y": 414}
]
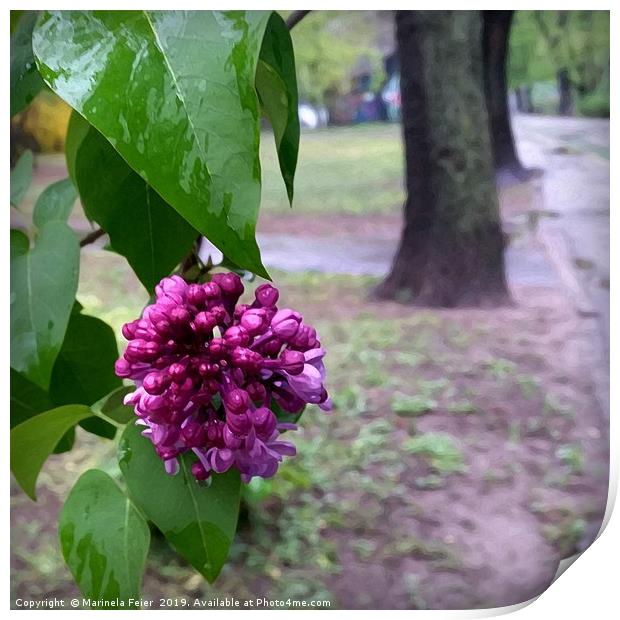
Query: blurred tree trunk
[
  {"x": 495, "y": 37},
  {"x": 527, "y": 99},
  {"x": 451, "y": 250},
  {"x": 565, "y": 104}
]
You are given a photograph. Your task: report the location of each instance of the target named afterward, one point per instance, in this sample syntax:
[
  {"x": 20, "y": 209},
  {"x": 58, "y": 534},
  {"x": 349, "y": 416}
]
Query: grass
[
  {"x": 404, "y": 405},
  {"x": 441, "y": 451},
  {"x": 354, "y": 170}
]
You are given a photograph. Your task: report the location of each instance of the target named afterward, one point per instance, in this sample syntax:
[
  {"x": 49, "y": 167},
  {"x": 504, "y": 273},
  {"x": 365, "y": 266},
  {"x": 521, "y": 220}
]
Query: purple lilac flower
[{"x": 207, "y": 370}]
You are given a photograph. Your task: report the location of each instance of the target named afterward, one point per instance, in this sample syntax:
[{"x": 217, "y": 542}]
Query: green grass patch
[{"x": 439, "y": 449}]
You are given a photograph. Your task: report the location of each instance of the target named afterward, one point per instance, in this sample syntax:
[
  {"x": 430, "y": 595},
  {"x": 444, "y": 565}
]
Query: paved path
[
  {"x": 574, "y": 154},
  {"x": 524, "y": 265}
]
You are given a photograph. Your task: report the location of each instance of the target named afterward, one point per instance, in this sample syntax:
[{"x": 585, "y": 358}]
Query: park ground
[{"x": 468, "y": 449}]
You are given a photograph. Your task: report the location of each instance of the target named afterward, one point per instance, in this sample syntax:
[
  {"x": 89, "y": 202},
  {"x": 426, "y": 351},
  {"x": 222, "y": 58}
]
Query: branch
[
  {"x": 294, "y": 18},
  {"x": 92, "y": 237}
]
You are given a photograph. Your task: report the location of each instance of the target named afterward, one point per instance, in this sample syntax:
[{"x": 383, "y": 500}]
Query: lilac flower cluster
[{"x": 208, "y": 369}]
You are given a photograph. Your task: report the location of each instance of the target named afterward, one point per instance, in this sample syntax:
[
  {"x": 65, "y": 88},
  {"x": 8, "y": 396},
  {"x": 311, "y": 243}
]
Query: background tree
[
  {"x": 451, "y": 250},
  {"x": 328, "y": 45},
  {"x": 568, "y": 47},
  {"x": 496, "y": 33}
]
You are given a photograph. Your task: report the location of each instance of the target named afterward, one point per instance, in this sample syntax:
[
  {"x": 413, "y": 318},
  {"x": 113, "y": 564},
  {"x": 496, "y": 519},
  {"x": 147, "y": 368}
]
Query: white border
[{"x": 587, "y": 588}]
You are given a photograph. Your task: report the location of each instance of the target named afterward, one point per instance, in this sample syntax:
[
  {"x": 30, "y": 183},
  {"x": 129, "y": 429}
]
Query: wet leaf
[
  {"x": 104, "y": 539},
  {"x": 186, "y": 118},
  {"x": 142, "y": 227},
  {"x": 25, "y": 79},
  {"x": 21, "y": 178},
  {"x": 198, "y": 521},
  {"x": 44, "y": 280},
  {"x": 34, "y": 440},
  {"x": 55, "y": 203},
  {"x": 276, "y": 84}
]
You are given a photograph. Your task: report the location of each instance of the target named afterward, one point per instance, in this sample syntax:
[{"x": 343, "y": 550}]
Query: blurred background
[{"x": 468, "y": 449}]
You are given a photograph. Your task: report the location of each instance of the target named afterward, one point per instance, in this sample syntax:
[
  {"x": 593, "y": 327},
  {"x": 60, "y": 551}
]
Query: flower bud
[
  {"x": 129, "y": 330},
  {"x": 272, "y": 347},
  {"x": 122, "y": 368},
  {"x": 155, "y": 383},
  {"x": 212, "y": 290},
  {"x": 256, "y": 391},
  {"x": 220, "y": 314},
  {"x": 179, "y": 316},
  {"x": 264, "y": 421},
  {"x": 292, "y": 361},
  {"x": 305, "y": 338},
  {"x": 246, "y": 359},
  {"x": 230, "y": 439},
  {"x": 141, "y": 351},
  {"x": 173, "y": 285},
  {"x": 196, "y": 295},
  {"x": 267, "y": 295},
  {"x": 236, "y": 336},
  {"x": 285, "y": 324},
  {"x": 207, "y": 369},
  {"x": 237, "y": 401},
  {"x": 177, "y": 372},
  {"x": 230, "y": 283},
  {"x": 204, "y": 322},
  {"x": 215, "y": 429},
  {"x": 194, "y": 434},
  {"x": 255, "y": 321},
  {"x": 238, "y": 424},
  {"x": 217, "y": 347},
  {"x": 199, "y": 472}
]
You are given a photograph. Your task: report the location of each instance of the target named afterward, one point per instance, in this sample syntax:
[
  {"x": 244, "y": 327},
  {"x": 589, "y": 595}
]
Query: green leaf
[
  {"x": 198, "y": 521},
  {"x": 276, "y": 84},
  {"x": 84, "y": 369},
  {"x": 27, "y": 399},
  {"x": 25, "y": 79},
  {"x": 286, "y": 416},
  {"x": 21, "y": 178},
  {"x": 104, "y": 539},
  {"x": 34, "y": 440},
  {"x": 77, "y": 130},
  {"x": 158, "y": 237},
  {"x": 111, "y": 406},
  {"x": 43, "y": 284},
  {"x": 187, "y": 118},
  {"x": 14, "y": 19},
  {"x": 55, "y": 203}
]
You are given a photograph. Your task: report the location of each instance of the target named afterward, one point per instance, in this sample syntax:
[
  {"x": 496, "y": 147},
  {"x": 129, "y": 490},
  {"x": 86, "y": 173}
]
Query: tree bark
[
  {"x": 565, "y": 104},
  {"x": 451, "y": 250},
  {"x": 495, "y": 36},
  {"x": 527, "y": 97}
]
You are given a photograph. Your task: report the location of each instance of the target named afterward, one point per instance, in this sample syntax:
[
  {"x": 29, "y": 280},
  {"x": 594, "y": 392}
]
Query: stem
[
  {"x": 92, "y": 237},
  {"x": 104, "y": 417},
  {"x": 294, "y": 18}
]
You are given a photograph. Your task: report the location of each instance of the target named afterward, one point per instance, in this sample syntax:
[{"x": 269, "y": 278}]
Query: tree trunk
[
  {"x": 451, "y": 250},
  {"x": 496, "y": 31},
  {"x": 527, "y": 97},
  {"x": 565, "y": 105},
  {"x": 519, "y": 100}
]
